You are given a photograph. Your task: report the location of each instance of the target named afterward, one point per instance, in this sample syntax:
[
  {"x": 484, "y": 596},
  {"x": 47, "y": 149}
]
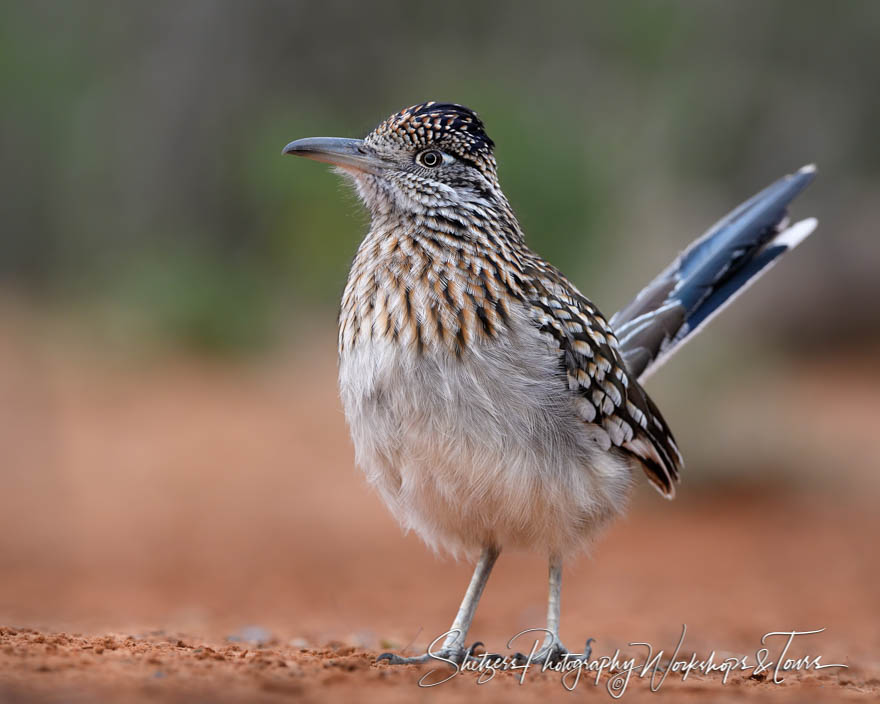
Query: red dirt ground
[{"x": 187, "y": 532}]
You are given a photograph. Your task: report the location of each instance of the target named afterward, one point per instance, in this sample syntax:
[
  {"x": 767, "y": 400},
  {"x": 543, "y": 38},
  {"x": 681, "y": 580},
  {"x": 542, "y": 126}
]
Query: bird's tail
[{"x": 709, "y": 274}]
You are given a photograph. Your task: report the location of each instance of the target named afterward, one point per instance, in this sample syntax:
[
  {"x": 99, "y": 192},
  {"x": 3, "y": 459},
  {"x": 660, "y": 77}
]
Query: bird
[{"x": 490, "y": 403}]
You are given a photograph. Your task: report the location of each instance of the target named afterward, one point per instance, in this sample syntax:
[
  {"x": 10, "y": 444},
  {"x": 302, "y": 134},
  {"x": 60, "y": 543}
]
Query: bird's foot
[
  {"x": 554, "y": 653},
  {"x": 451, "y": 654}
]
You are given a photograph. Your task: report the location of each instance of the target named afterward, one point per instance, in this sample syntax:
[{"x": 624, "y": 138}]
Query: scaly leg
[
  {"x": 453, "y": 647},
  {"x": 552, "y": 649}
]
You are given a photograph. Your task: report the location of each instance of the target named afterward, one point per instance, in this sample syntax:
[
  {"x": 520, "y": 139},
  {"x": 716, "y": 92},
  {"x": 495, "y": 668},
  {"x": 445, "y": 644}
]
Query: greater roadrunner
[{"x": 490, "y": 403}]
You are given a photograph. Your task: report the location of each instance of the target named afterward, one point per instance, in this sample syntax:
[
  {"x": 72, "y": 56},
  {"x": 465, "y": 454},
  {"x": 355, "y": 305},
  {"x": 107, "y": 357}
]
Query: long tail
[{"x": 710, "y": 274}]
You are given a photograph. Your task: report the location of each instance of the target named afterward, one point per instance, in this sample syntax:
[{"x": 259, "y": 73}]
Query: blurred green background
[{"x": 145, "y": 197}]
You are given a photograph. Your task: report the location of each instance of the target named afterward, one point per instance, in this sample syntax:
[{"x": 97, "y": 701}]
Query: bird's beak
[{"x": 348, "y": 154}]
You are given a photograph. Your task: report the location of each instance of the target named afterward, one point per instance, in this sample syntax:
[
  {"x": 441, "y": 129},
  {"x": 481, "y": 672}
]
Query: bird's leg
[
  {"x": 453, "y": 646},
  {"x": 552, "y": 649},
  {"x": 554, "y": 606}
]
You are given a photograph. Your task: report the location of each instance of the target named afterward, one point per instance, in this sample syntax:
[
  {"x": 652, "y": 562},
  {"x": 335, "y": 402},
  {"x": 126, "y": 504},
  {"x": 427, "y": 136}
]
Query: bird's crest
[{"x": 453, "y": 128}]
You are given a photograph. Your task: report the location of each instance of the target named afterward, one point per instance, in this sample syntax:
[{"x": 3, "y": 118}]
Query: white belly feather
[{"x": 481, "y": 449}]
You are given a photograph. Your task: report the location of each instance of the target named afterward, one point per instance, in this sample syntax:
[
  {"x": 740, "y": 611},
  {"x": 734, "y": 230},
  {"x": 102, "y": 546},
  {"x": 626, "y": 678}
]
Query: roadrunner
[{"x": 490, "y": 403}]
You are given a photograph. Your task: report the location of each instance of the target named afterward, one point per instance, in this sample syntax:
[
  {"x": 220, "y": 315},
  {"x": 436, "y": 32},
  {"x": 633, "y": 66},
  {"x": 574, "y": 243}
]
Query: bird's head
[{"x": 428, "y": 156}]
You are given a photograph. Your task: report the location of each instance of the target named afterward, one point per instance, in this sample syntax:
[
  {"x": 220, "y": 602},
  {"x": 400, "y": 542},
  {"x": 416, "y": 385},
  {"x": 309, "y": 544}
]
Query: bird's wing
[
  {"x": 709, "y": 274},
  {"x": 610, "y": 400}
]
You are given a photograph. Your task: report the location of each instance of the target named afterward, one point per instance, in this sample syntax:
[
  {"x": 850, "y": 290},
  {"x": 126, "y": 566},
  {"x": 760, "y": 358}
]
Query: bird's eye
[{"x": 430, "y": 158}]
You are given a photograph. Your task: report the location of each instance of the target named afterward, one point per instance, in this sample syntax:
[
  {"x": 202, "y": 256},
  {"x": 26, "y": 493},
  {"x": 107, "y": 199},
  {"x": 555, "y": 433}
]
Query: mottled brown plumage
[
  {"x": 490, "y": 403},
  {"x": 446, "y": 277}
]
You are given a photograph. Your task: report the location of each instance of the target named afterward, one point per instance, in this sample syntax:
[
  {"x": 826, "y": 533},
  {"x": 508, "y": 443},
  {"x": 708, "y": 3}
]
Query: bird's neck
[{"x": 438, "y": 279}]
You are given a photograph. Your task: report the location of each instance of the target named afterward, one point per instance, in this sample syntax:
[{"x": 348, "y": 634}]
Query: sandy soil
[{"x": 188, "y": 532}]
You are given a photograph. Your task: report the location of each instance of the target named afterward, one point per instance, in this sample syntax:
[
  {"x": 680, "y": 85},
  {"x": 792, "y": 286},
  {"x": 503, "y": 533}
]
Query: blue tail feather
[{"x": 709, "y": 274}]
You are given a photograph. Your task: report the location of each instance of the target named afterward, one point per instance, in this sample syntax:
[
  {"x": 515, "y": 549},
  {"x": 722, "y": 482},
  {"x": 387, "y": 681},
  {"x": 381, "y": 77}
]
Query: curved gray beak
[{"x": 346, "y": 153}]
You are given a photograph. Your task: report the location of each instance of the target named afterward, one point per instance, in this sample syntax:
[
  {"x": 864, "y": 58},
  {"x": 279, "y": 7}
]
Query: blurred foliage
[{"x": 141, "y": 142}]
